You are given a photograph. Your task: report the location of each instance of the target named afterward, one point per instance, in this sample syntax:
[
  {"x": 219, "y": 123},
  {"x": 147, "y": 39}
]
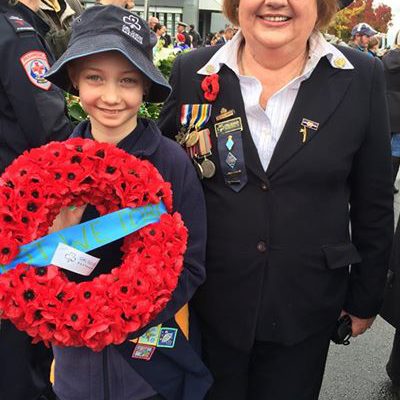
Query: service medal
[
  {"x": 208, "y": 168},
  {"x": 192, "y": 139},
  {"x": 182, "y": 137}
]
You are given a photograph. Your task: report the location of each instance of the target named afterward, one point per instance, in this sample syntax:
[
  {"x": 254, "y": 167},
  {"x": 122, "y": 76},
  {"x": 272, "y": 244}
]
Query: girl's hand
[{"x": 67, "y": 217}]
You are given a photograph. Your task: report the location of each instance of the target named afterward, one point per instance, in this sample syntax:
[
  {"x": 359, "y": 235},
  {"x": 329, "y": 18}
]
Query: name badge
[{"x": 231, "y": 125}]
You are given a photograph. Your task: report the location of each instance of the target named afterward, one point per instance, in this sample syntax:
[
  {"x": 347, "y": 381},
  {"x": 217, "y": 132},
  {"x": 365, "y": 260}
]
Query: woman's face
[{"x": 276, "y": 24}]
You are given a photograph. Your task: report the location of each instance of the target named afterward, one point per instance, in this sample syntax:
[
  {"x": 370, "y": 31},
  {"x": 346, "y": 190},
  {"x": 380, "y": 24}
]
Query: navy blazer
[
  {"x": 391, "y": 63},
  {"x": 279, "y": 250}
]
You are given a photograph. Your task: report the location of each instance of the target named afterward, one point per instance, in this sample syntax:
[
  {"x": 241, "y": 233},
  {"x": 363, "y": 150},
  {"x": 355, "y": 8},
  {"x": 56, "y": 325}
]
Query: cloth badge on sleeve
[
  {"x": 36, "y": 66},
  {"x": 167, "y": 337},
  {"x": 150, "y": 337},
  {"x": 143, "y": 352},
  {"x": 19, "y": 24}
]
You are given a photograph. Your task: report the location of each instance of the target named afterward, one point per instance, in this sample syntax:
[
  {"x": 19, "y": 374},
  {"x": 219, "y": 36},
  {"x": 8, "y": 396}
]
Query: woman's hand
[{"x": 67, "y": 217}]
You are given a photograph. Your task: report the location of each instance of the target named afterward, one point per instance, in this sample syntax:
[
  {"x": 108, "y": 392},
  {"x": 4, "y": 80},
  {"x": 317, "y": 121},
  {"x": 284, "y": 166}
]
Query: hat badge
[{"x": 133, "y": 22}]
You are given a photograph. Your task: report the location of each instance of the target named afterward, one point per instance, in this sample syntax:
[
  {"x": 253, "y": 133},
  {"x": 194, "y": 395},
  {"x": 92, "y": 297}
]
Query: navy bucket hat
[{"x": 112, "y": 28}]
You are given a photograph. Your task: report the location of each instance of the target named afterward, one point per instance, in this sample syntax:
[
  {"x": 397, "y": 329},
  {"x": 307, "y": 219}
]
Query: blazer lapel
[
  {"x": 317, "y": 99},
  {"x": 231, "y": 98}
]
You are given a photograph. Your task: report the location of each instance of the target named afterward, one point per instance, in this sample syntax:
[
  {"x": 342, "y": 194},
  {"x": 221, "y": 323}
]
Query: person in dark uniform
[
  {"x": 58, "y": 15},
  {"x": 391, "y": 63},
  {"x": 291, "y": 137},
  {"x": 391, "y": 308},
  {"x": 32, "y": 112},
  {"x": 196, "y": 38},
  {"x": 181, "y": 29}
]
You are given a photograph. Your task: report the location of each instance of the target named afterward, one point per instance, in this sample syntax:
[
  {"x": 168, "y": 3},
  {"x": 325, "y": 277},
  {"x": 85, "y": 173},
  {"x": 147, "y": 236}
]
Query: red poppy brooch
[{"x": 210, "y": 87}]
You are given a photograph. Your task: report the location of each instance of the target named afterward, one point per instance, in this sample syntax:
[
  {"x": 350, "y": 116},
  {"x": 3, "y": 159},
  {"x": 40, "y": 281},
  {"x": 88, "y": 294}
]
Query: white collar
[{"x": 319, "y": 48}]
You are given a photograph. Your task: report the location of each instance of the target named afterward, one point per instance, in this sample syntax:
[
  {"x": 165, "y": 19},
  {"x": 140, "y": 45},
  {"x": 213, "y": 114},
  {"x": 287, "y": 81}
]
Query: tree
[{"x": 361, "y": 11}]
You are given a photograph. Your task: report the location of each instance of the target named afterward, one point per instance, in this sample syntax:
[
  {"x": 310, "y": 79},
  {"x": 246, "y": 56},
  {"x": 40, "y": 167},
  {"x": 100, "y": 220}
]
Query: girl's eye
[
  {"x": 94, "y": 78},
  {"x": 129, "y": 81}
]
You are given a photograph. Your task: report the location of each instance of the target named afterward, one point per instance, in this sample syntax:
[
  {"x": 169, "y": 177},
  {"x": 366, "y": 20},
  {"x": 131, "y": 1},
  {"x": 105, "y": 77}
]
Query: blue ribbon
[{"x": 89, "y": 235}]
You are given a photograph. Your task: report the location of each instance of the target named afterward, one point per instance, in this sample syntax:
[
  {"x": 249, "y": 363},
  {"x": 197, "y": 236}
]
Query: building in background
[{"x": 204, "y": 14}]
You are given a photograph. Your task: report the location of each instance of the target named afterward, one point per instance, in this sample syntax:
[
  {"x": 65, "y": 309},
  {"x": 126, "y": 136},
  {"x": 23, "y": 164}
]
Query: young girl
[{"x": 108, "y": 63}]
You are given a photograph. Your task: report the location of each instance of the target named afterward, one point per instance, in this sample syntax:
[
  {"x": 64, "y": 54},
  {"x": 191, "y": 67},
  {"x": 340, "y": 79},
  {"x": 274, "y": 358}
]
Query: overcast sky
[{"x": 395, "y": 4}]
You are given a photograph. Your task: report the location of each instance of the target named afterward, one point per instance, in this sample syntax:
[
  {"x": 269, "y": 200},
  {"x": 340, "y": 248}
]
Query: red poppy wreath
[{"x": 42, "y": 301}]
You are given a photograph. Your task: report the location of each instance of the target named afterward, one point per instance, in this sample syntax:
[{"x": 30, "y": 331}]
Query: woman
[
  {"x": 159, "y": 31},
  {"x": 32, "y": 112},
  {"x": 294, "y": 148}
]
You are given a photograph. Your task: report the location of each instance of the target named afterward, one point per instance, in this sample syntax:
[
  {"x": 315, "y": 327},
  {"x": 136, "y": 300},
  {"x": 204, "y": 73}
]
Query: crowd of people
[{"x": 288, "y": 205}]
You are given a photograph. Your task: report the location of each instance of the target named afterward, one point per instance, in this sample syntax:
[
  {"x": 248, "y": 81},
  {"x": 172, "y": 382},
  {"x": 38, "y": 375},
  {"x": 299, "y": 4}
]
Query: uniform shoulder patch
[
  {"x": 36, "y": 65},
  {"x": 19, "y": 24}
]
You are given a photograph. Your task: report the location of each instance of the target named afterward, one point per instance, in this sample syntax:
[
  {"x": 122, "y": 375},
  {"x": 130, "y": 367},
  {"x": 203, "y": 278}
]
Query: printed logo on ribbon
[
  {"x": 36, "y": 65},
  {"x": 132, "y": 24},
  {"x": 167, "y": 337}
]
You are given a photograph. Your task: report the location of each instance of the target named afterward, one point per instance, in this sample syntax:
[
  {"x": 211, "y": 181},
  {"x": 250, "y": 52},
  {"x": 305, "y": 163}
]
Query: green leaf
[{"x": 76, "y": 112}]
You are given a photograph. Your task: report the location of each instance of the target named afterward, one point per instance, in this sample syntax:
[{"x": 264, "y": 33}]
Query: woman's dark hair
[{"x": 157, "y": 27}]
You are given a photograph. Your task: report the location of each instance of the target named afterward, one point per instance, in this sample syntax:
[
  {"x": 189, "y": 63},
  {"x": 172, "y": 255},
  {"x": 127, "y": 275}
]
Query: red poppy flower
[{"x": 210, "y": 87}]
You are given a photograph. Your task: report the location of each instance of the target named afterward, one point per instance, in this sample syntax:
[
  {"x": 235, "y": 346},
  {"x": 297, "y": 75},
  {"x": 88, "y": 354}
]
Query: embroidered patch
[
  {"x": 19, "y": 24},
  {"x": 36, "y": 65},
  {"x": 167, "y": 337},
  {"x": 150, "y": 337},
  {"x": 143, "y": 352}
]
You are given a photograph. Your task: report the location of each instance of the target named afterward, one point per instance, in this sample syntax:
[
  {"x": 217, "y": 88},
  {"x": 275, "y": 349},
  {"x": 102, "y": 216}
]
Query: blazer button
[
  {"x": 262, "y": 247},
  {"x": 264, "y": 186}
]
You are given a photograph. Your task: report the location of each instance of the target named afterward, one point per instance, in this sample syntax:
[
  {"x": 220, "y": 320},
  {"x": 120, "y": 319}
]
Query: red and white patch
[{"x": 36, "y": 65}]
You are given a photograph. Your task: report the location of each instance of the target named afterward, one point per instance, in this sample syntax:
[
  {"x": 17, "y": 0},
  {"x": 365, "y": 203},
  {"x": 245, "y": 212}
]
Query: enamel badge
[{"x": 305, "y": 125}]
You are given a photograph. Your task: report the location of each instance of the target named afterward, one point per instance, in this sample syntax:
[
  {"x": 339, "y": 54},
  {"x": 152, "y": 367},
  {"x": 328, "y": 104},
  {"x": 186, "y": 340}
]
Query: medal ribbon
[
  {"x": 195, "y": 115},
  {"x": 232, "y": 161}
]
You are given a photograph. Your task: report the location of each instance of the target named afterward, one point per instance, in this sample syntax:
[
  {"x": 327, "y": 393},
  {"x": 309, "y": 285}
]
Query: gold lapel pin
[
  {"x": 340, "y": 63},
  {"x": 303, "y": 131}
]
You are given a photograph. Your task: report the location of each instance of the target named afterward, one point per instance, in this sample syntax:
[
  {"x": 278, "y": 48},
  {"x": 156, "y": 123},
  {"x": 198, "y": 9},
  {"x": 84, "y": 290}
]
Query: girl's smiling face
[{"x": 111, "y": 91}]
